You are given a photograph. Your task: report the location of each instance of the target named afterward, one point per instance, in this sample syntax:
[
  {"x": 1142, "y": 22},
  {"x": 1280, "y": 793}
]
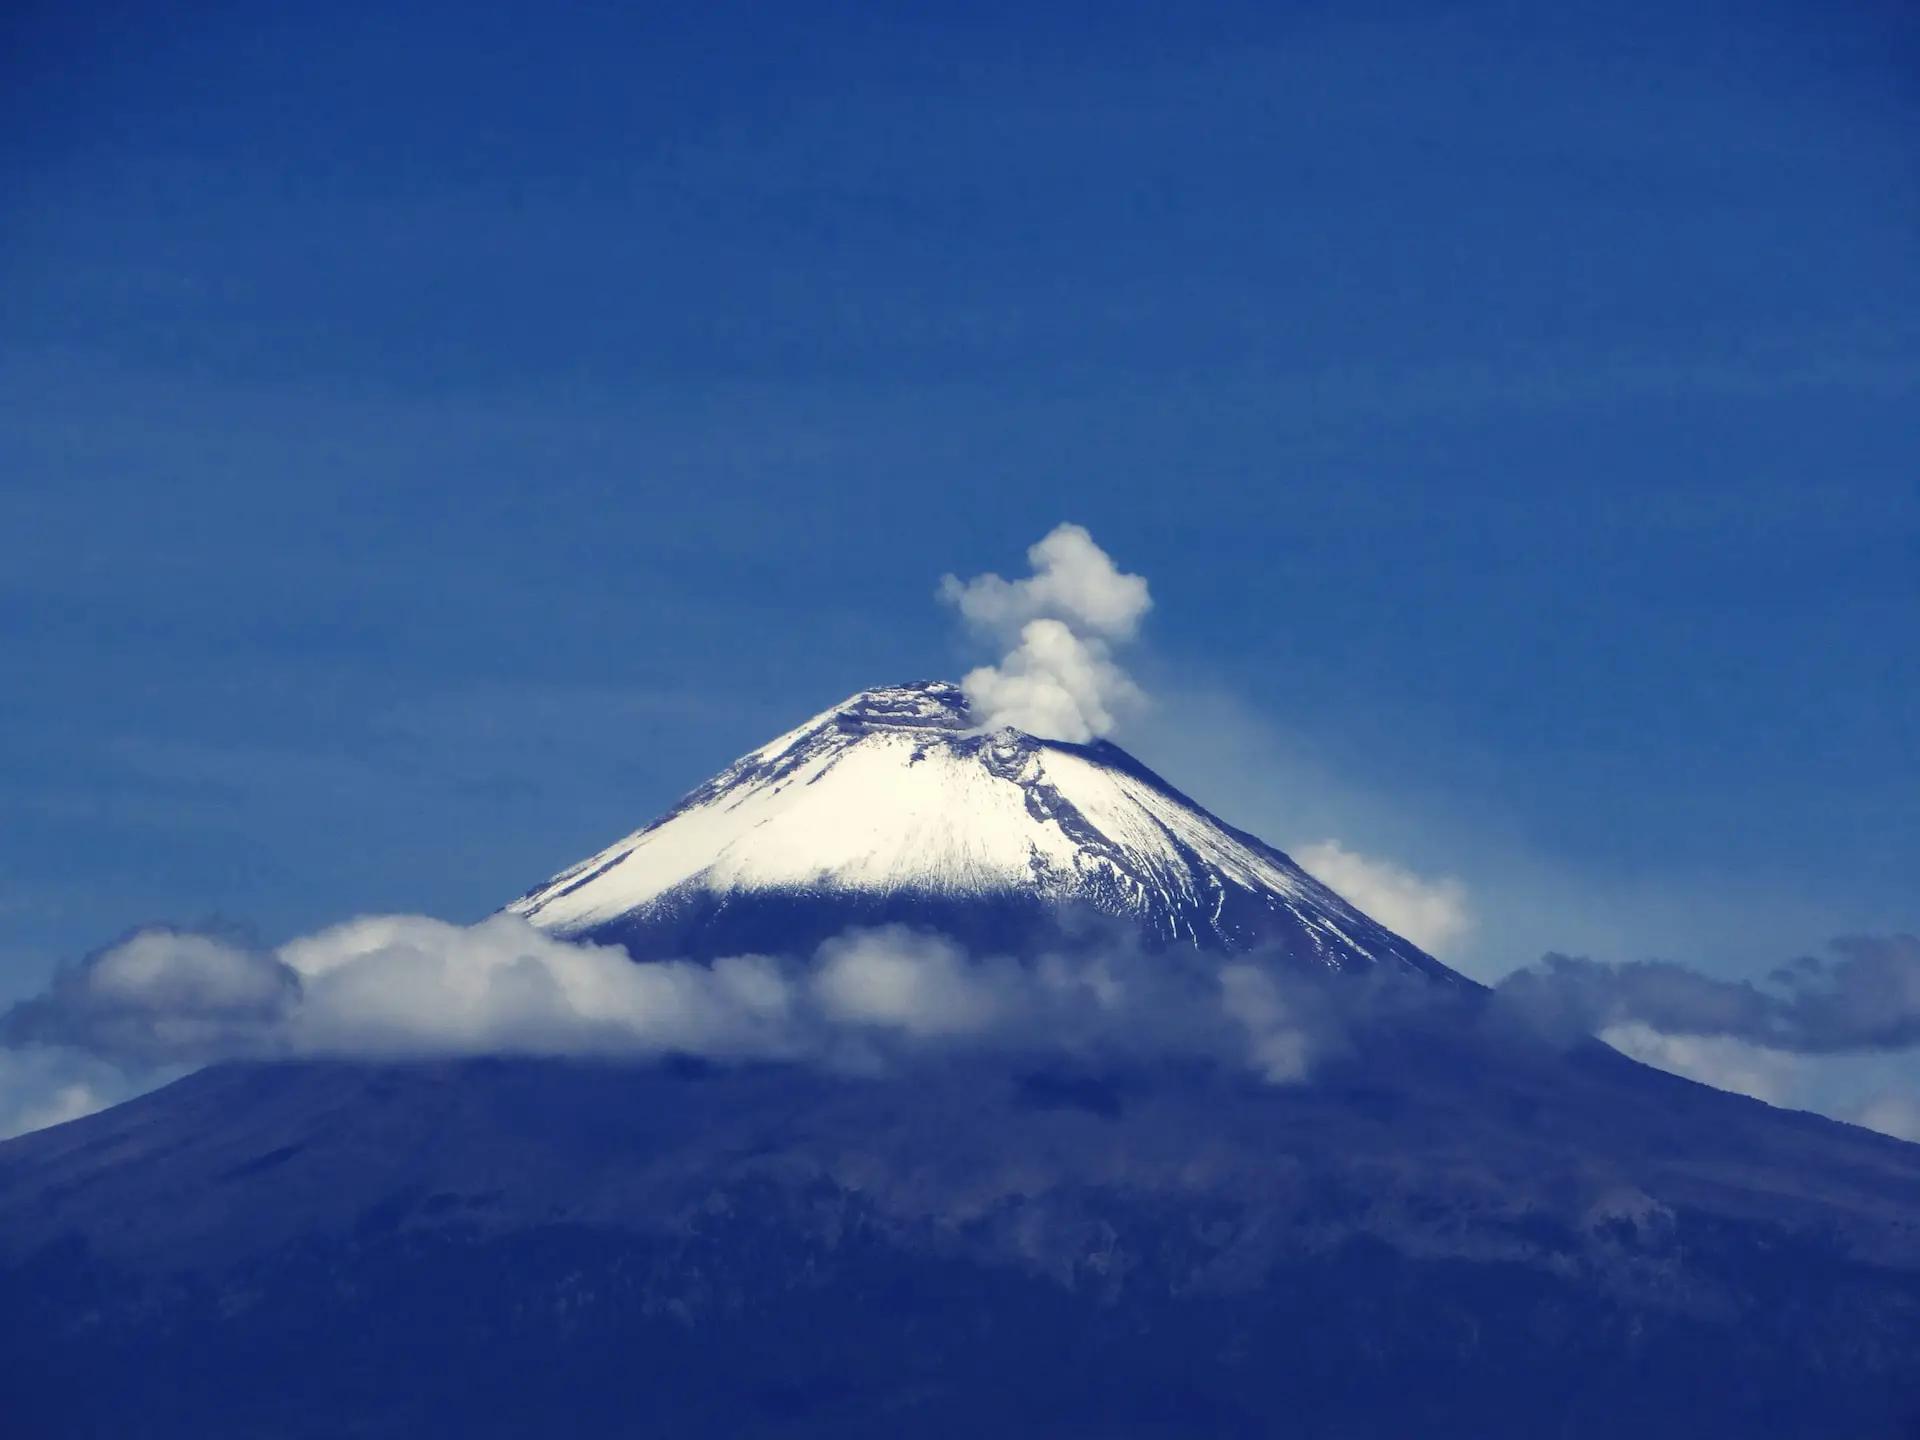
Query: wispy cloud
[
  {"x": 1525, "y": 897},
  {"x": 1433, "y": 913},
  {"x": 1717, "y": 1060},
  {"x": 1891, "y": 1114},
  {"x": 48, "y": 1085}
]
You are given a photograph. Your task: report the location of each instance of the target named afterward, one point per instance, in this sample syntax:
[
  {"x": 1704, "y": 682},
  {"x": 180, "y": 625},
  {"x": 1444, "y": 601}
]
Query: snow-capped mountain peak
[{"x": 894, "y": 806}]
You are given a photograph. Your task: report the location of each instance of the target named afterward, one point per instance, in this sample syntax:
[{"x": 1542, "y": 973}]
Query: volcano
[
  {"x": 1453, "y": 1225},
  {"x": 894, "y": 807}
]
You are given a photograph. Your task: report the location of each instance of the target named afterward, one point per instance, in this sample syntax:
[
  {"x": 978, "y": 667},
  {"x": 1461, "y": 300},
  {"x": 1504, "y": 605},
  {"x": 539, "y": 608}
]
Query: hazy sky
[{"x": 429, "y": 443}]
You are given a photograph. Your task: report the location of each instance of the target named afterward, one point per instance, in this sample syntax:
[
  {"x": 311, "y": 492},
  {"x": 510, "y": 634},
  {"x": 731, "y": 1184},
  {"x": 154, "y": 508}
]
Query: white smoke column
[
  {"x": 1052, "y": 683},
  {"x": 1057, "y": 678}
]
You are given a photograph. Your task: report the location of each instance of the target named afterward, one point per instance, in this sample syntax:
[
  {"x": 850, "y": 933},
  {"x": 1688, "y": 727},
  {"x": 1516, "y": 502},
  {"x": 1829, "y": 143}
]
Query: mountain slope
[
  {"x": 1432, "y": 1238},
  {"x": 893, "y": 806},
  {"x": 1451, "y": 1226}
]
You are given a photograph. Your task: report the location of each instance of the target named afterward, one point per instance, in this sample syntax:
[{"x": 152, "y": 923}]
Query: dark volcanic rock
[{"x": 1437, "y": 1236}]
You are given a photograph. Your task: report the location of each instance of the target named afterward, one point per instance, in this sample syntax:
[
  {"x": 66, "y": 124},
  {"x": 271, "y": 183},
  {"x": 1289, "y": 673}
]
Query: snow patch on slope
[{"x": 897, "y": 793}]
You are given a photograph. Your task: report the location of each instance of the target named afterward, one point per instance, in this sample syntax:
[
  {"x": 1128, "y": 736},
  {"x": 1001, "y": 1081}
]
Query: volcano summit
[{"x": 893, "y": 807}]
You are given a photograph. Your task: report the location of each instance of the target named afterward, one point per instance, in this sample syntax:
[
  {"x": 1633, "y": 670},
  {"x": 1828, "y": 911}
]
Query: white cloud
[
  {"x": 402, "y": 985},
  {"x": 406, "y": 983},
  {"x": 1717, "y": 1060},
  {"x": 68, "y": 1102},
  {"x": 143, "y": 1011},
  {"x": 161, "y": 996},
  {"x": 1073, "y": 581},
  {"x": 1890, "y": 1113},
  {"x": 48, "y": 1085},
  {"x": 914, "y": 982},
  {"x": 173, "y": 969},
  {"x": 1432, "y": 913},
  {"x": 1058, "y": 678}
]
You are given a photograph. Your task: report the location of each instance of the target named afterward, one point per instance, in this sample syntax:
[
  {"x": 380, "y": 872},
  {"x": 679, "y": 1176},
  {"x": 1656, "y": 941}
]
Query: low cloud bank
[
  {"x": 1762, "y": 1038},
  {"x": 161, "y": 997},
  {"x": 161, "y": 1002},
  {"x": 1057, "y": 677},
  {"x": 1864, "y": 996},
  {"x": 394, "y": 986}
]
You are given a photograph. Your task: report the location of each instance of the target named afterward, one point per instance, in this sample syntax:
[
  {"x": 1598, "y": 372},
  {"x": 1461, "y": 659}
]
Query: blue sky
[{"x": 430, "y": 442}]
